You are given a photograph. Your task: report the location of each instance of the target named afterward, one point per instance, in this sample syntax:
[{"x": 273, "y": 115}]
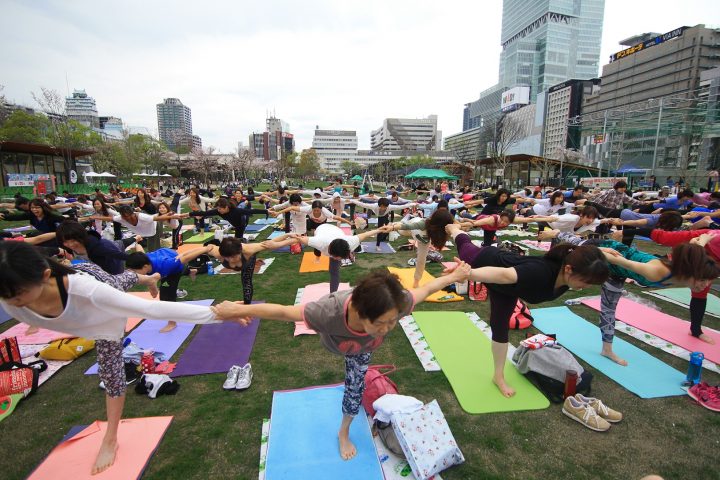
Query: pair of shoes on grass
[
  {"x": 706, "y": 395},
  {"x": 238, "y": 378},
  {"x": 591, "y": 412}
]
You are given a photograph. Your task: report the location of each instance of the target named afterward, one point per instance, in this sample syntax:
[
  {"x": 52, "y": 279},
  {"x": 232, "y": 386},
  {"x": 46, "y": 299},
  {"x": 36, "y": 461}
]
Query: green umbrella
[
  {"x": 357, "y": 178},
  {"x": 431, "y": 173}
]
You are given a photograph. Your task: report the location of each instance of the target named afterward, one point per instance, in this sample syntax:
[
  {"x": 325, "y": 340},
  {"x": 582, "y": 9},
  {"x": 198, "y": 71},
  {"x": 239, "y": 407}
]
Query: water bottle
[
  {"x": 573, "y": 301},
  {"x": 570, "y": 383},
  {"x": 695, "y": 367},
  {"x": 210, "y": 268},
  {"x": 147, "y": 362}
]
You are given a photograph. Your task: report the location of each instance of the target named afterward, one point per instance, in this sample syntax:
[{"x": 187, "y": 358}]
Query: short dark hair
[
  {"x": 687, "y": 193},
  {"x": 125, "y": 210},
  {"x": 316, "y": 204},
  {"x": 222, "y": 203},
  {"x": 231, "y": 246},
  {"x": 339, "y": 248},
  {"x": 295, "y": 198},
  {"x": 509, "y": 214},
  {"x": 590, "y": 212},
  {"x": 71, "y": 230},
  {"x": 137, "y": 260},
  {"x": 620, "y": 184},
  {"x": 442, "y": 204},
  {"x": 377, "y": 293},
  {"x": 383, "y": 202}
]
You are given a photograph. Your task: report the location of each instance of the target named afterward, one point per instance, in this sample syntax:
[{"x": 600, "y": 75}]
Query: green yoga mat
[
  {"x": 681, "y": 296},
  {"x": 201, "y": 237},
  {"x": 464, "y": 355}
]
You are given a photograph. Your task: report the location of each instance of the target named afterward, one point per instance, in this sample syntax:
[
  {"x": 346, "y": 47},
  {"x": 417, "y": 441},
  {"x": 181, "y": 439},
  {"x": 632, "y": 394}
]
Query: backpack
[
  {"x": 18, "y": 378},
  {"x": 546, "y": 368},
  {"x": 377, "y": 384},
  {"x": 9, "y": 351},
  {"x": 511, "y": 247},
  {"x": 521, "y": 317},
  {"x": 200, "y": 263},
  {"x": 477, "y": 291},
  {"x": 67, "y": 349},
  {"x": 388, "y": 438}
]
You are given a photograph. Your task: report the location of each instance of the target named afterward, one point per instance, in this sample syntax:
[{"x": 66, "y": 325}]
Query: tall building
[
  {"x": 651, "y": 111},
  {"x": 414, "y": 134},
  {"x": 710, "y": 93},
  {"x": 175, "y": 125},
  {"x": 333, "y": 147},
  {"x": 275, "y": 142},
  {"x": 81, "y": 108},
  {"x": 563, "y": 102},
  {"x": 544, "y": 42}
]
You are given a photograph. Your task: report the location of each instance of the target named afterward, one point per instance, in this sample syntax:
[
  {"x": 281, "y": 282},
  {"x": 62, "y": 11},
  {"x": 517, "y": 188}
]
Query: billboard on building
[
  {"x": 648, "y": 43},
  {"x": 514, "y": 98},
  {"x": 601, "y": 182}
]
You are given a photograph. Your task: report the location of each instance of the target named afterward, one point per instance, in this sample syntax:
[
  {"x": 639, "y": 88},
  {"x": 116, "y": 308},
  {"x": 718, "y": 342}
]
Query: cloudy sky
[{"x": 338, "y": 64}]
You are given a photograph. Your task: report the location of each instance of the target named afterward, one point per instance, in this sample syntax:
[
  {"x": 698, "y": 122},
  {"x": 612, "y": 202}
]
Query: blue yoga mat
[
  {"x": 303, "y": 438},
  {"x": 4, "y": 316},
  {"x": 645, "y": 375},
  {"x": 276, "y": 234},
  {"x": 147, "y": 335},
  {"x": 266, "y": 221},
  {"x": 255, "y": 228}
]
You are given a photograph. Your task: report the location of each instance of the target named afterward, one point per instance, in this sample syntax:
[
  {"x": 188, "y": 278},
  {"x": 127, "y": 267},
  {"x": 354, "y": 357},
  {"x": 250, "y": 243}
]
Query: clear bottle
[{"x": 573, "y": 301}]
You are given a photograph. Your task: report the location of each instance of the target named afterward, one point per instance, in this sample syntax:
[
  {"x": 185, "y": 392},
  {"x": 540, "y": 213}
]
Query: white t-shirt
[
  {"x": 566, "y": 223},
  {"x": 297, "y": 219},
  {"x": 97, "y": 311},
  {"x": 145, "y": 227},
  {"x": 543, "y": 207},
  {"x": 325, "y": 214},
  {"x": 326, "y": 233}
]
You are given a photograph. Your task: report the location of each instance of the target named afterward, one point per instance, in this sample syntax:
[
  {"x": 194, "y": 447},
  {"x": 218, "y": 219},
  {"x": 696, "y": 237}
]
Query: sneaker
[
  {"x": 181, "y": 293},
  {"x": 600, "y": 408},
  {"x": 584, "y": 414},
  {"x": 707, "y": 396},
  {"x": 232, "y": 378},
  {"x": 244, "y": 378}
]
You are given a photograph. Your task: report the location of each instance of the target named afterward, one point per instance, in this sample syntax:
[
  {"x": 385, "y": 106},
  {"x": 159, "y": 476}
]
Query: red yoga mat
[{"x": 663, "y": 325}]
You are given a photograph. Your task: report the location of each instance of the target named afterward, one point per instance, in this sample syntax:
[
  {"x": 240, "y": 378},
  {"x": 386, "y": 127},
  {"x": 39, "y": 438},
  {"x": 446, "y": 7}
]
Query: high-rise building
[
  {"x": 333, "y": 147},
  {"x": 81, "y": 108},
  {"x": 413, "y": 134},
  {"x": 563, "y": 102},
  {"x": 544, "y": 42},
  {"x": 175, "y": 125},
  {"x": 274, "y": 142}
]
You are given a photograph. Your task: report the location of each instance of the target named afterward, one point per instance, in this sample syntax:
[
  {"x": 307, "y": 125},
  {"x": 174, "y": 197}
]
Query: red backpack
[
  {"x": 377, "y": 384},
  {"x": 521, "y": 317},
  {"x": 477, "y": 291},
  {"x": 9, "y": 351}
]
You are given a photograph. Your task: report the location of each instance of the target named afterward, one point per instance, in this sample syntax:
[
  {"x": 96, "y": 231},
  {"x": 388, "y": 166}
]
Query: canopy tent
[
  {"x": 143, "y": 174},
  {"x": 166, "y": 175},
  {"x": 106, "y": 174},
  {"x": 631, "y": 169},
  {"x": 92, "y": 174},
  {"x": 357, "y": 178},
  {"x": 431, "y": 173}
]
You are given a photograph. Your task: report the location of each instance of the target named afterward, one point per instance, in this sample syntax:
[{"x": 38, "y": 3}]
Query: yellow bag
[{"x": 67, "y": 348}]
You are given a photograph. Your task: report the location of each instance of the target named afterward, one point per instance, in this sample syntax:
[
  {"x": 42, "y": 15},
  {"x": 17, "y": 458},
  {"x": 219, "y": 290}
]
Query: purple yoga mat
[
  {"x": 217, "y": 347},
  {"x": 147, "y": 335},
  {"x": 370, "y": 247}
]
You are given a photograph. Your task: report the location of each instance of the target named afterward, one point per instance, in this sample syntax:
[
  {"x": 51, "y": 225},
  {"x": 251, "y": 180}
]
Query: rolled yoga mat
[
  {"x": 681, "y": 296},
  {"x": 147, "y": 335},
  {"x": 645, "y": 375},
  {"x": 407, "y": 275},
  {"x": 303, "y": 439},
  {"x": 663, "y": 325},
  {"x": 463, "y": 352}
]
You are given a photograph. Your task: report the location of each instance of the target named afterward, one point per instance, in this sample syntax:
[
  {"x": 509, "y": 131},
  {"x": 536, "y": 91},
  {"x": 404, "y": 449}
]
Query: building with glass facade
[{"x": 333, "y": 147}]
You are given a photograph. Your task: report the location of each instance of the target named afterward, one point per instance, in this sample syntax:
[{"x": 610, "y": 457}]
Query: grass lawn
[{"x": 216, "y": 434}]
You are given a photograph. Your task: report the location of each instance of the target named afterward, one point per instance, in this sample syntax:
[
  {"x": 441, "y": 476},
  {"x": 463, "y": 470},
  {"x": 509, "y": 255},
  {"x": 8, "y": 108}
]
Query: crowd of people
[{"x": 120, "y": 237}]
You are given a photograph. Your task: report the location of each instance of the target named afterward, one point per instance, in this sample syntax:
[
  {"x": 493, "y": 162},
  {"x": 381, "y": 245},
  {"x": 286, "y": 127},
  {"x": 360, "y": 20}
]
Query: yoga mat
[
  {"x": 540, "y": 246},
  {"x": 200, "y": 237},
  {"x": 186, "y": 247},
  {"x": 266, "y": 221},
  {"x": 663, "y": 325},
  {"x": 681, "y": 296},
  {"x": 217, "y": 347},
  {"x": 463, "y": 352},
  {"x": 42, "y": 336},
  {"x": 303, "y": 439},
  {"x": 645, "y": 376},
  {"x": 275, "y": 234},
  {"x": 147, "y": 335},
  {"x": 27, "y": 353},
  {"x": 26, "y": 228},
  {"x": 4, "y": 316},
  {"x": 346, "y": 230},
  {"x": 255, "y": 228},
  {"x": 309, "y": 263},
  {"x": 285, "y": 249},
  {"x": 369, "y": 247},
  {"x": 138, "y": 438},
  {"x": 407, "y": 275},
  {"x": 250, "y": 236},
  {"x": 312, "y": 293},
  {"x": 133, "y": 322}
]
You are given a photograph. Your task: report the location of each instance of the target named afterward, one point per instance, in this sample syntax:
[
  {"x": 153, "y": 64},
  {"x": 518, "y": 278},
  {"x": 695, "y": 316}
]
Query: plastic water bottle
[
  {"x": 573, "y": 301},
  {"x": 210, "y": 268},
  {"x": 695, "y": 368},
  {"x": 570, "y": 383}
]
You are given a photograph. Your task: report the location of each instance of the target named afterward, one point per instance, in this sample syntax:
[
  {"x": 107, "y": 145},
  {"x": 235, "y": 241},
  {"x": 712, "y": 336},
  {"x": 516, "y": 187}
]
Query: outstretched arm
[
  {"x": 654, "y": 270},
  {"x": 269, "y": 311},
  {"x": 368, "y": 234},
  {"x": 459, "y": 274},
  {"x": 497, "y": 275}
]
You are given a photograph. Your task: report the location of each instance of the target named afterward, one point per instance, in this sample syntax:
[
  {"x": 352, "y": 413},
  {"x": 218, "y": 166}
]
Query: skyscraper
[
  {"x": 82, "y": 108},
  {"x": 545, "y": 42},
  {"x": 417, "y": 134},
  {"x": 175, "y": 125},
  {"x": 274, "y": 142}
]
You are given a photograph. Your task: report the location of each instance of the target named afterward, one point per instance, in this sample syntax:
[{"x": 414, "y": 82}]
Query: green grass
[{"x": 216, "y": 434}]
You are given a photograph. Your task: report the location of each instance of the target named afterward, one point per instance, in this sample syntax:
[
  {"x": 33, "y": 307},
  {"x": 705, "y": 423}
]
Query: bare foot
[
  {"x": 611, "y": 355},
  {"x": 504, "y": 388},
  {"x": 151, "y": 282},
  {"x": 105, "y": 458},
  {"x": 378, "y": 248},
  {"x": 317, "y": 259},
  {"x": 193, "y": 274},
  {"x": 416, "y": 284},
  {"x": 347, "y": 449},
  {"x": 707, "y": 339},
  {"x": 169, "y": 327},
  {"x": 32, "y": 330}
]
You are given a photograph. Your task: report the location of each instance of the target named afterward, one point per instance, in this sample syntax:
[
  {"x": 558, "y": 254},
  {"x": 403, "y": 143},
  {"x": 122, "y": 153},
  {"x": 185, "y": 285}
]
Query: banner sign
[
  {"x": 26, "y": 179},
  {"x": 602, "y": 182}
]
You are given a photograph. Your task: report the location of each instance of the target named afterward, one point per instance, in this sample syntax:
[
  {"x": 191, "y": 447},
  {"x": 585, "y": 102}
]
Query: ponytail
[{"x": 586, "y": 261}]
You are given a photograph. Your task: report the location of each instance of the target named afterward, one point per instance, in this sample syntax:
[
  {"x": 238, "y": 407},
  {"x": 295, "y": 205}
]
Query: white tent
[
  {"x": 92, "y": 174},
  {"x": 105, "y": 174},
  {"x": 166, "y": 175}
]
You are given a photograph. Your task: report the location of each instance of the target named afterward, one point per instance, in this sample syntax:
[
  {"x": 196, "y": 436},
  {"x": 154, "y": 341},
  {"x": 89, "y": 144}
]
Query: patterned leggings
[
  {"x": 248, "y": 269},
  {"x": 122, "y": 282},
  {"x": 355, "y": 368}
]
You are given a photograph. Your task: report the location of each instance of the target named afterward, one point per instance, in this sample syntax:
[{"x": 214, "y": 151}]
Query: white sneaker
[
  {"x": 181, "y": 293},
  {"x": 232, "y": 378},
  {"x": 244, "y": 378}
]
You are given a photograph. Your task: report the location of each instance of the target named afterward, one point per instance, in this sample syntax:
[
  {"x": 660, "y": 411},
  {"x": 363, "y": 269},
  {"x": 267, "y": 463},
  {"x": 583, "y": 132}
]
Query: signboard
[
  {"x": 514, "y": 98},
  {"x": 648, "y": 43},
  {"x": 602, "y": 182},
  {"x": 26, "y": 179},
  {"x": 598, "y": 138}
]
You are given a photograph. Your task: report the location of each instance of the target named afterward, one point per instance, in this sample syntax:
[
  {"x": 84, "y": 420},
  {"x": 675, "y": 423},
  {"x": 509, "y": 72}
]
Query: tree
[
  {"x": 241, "y": 161},
  {"x": 468, "y": 152},
  {"x": 350, "y": 167},
  {"x": 502, "y": 135},
  {"x": 203, "y": 162},
  {"x": 4, "y": 111},
  {"x": 21, "y": 126},
  {"x": 109, "y": 157},
  {"x": 544, "y": 165},
  {"x": 309, "y": 163}
]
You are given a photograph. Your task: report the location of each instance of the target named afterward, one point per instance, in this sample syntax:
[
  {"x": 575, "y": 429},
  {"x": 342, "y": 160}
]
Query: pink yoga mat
[
  {"x": 310, "y": 294},
  {"x": 42, "y": 336},
  {"x": 663, "y": 325}
]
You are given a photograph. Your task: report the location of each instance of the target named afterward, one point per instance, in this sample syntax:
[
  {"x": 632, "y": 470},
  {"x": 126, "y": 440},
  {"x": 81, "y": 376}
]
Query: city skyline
[{"x": 339, "y": 66}]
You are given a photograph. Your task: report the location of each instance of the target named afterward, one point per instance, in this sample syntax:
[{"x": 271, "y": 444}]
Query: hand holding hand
[{"x": 461, "y": 272}]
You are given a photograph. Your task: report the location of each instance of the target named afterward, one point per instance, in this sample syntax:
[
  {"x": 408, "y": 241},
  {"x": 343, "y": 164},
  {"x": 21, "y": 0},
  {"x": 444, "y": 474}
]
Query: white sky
[{"x": 339, "y": 64}]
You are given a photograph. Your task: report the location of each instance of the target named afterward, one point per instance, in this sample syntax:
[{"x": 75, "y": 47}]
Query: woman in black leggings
[{"x": 509, "y": 276}]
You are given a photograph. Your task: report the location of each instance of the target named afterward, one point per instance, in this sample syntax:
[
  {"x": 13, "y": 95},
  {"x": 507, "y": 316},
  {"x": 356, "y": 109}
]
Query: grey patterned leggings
[
  {"x": 355, "y": 368},
  {"x": 122, "y": 282}
]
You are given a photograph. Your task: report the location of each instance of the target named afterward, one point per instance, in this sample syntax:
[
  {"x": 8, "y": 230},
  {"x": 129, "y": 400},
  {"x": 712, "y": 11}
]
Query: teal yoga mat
[
  {"x": 681, "y": 296},
  {"x": 303, "y": 438},
  {"x": 645, "y": 376}
]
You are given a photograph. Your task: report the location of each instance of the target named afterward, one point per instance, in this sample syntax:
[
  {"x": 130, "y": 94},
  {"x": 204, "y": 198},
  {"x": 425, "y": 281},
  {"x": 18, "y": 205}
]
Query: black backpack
[
  {"x": 200, "y": 263},
  {"x": 554, "y": 390}
]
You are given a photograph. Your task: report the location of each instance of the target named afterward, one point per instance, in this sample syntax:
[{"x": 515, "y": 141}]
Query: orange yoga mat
[
  {"x": 310, "y": 263},
  {"x": 138, "y": 438},
  {"x": 133, "y": 322},
  {"x": 186, "y": 247}
]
